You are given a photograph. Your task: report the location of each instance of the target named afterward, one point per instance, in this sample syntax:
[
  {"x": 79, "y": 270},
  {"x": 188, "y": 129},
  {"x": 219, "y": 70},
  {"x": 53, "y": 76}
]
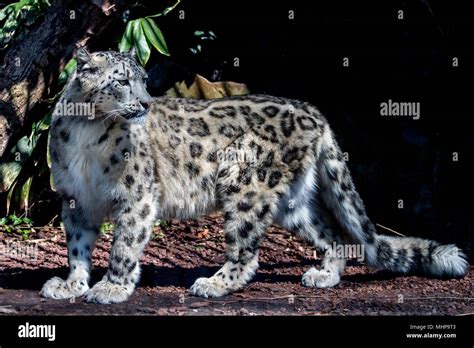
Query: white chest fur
[{"x": 81, "y": 170}]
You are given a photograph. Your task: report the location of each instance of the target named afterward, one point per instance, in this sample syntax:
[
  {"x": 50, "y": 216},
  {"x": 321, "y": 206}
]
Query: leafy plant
[
  {"x": 18, "y": 17},
  {"x": 106, "y": 227},
  {"x": 15, "y": 224},
  {"x": 157, "y": 235},
  {"x": 161, "y": 223},
  {"x": 26, "y": 162},
  {"x": 142, "y": 34}
]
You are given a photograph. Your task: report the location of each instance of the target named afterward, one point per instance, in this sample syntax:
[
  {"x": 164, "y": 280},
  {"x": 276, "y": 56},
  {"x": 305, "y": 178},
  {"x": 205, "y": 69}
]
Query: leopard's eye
[
  {"x": 88, "y": 69},
  {"x": 123, "y": 82}
]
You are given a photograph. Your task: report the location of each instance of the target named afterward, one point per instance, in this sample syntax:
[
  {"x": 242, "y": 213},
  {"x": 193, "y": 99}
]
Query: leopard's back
[{"x": 197, "y": 142}]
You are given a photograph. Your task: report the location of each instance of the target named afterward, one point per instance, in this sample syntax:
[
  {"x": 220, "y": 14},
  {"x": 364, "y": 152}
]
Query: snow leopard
[{"x": 257, "y": 159}]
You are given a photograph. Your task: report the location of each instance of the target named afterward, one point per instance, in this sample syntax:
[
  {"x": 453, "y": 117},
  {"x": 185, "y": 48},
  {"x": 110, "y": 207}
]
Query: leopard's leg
[
  {"x": 82, "y": 230},
  {"x": 134, "y": 222},
  {"x": 303, "y": 212},
  {"x": 245, "y": 224},
  {"x": 328, "y": 238},
  {"x": 248, "y": 204}
]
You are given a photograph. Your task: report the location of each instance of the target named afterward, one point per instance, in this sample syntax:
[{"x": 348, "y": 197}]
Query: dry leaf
[{"x": 202, "y": 88}]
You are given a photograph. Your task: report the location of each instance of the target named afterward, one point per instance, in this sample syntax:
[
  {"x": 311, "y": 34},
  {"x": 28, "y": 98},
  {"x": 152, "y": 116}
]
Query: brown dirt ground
[{"x": 184, "y": 251}]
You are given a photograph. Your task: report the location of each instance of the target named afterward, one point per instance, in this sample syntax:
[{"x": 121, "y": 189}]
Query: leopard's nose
[{"x": 146, "y": 105}]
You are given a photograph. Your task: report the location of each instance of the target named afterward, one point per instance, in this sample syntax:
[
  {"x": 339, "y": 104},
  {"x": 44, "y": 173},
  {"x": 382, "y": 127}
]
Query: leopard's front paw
[
  {"x": 209, "y": 287},
  {"x": 60, "y": 289},
  {"x": 105, "y": 292}
]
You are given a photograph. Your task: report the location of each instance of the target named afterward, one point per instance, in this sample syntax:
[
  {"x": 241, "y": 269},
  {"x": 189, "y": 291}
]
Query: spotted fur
[{"x": 258, "y": 159}]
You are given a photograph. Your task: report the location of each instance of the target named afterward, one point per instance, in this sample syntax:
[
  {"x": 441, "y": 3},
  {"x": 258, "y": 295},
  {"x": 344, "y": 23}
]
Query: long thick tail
[{"x": 397, "y": 254}]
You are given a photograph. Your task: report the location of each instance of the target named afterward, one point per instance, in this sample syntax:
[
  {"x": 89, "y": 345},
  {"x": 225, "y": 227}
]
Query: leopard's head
[{"x": 111, "y": 81}]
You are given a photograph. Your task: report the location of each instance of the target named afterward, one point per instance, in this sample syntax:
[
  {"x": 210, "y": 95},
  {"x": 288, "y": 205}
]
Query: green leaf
[
  {"x": 48, "y": 162},
  {"x": 24, "y": 146},
  {"x": 3, "y": 221},
  {"x": 106, "y": 227},
  {"x": 6, "y": 11},
  {"x": 127, "y": 39},
  {"x": 25, "y": 194},
  {"x": 15, "y": 220},
  {"x": 10, "y": 26},
  {"x": 45, "y": 122},
  {"x": 68, "y": 70},
  {"x": 154, "y": 35},
  {"x": 25, "y": 234},
  {"x": 8, "y": 173},
  {"x": 48, "y": 154},
  {"x": 140, "y": 42},
  {"x": 27, "y": 221}
]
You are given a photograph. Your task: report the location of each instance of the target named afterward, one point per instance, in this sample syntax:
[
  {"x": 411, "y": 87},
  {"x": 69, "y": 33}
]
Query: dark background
[{"x": 407, "y": 60}]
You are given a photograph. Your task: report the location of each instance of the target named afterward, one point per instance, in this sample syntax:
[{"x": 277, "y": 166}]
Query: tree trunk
[{"x": 30, "y": 65}]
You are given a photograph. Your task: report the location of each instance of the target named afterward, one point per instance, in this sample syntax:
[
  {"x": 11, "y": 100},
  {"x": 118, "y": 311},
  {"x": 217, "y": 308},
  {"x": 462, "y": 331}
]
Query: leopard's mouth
[{"x": 137, "y": 116}]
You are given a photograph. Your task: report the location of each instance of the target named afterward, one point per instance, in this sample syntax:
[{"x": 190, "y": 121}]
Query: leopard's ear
[
  {"x": 133, "y": 52},
  {"x": 82, "y": 56}
]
